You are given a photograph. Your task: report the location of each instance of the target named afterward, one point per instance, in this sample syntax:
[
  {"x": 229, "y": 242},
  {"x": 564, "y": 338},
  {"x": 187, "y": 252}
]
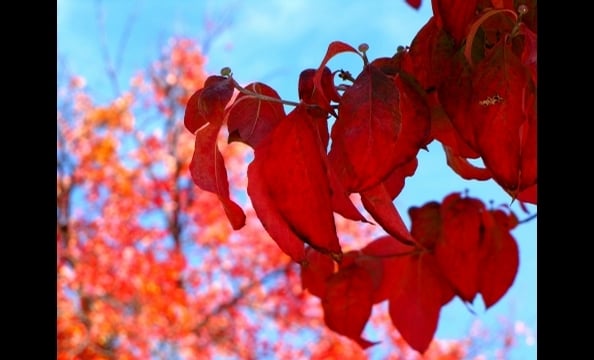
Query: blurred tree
[{"x": 148, "y": 265}]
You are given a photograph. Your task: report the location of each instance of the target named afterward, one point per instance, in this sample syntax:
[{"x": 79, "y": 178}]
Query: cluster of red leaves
[
  {"x": 147, "y": 266},
  {"x": 468, "y": 81}
]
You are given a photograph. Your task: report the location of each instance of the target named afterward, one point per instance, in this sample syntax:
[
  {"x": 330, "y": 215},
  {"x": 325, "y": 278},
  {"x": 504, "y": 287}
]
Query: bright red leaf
[
  {"x": 454, "y": 16},
  {"x": 504, "y": 113},
  {"x": 500, "y": 256},
  {"x": 323, "y": 92},
  {"x": 204, "y": 117},
  {"x": 348, "y": 301},
  {"x": 294, "y": 179},
  {"x": 458, "y": 249},
  {"x": 316, "y": 268},
  {"x": 426, "y": 224},
  {"x": 387, "y": 250},
  {"x": 379, "y": 204},
  {"x": 418, "y": 293},
  {"x": 277, "y": 227},
  {"x": 463, "y": 167}
]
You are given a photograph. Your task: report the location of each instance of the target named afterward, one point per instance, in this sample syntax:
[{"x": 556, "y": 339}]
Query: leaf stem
[{"x": 262, "y": 97}]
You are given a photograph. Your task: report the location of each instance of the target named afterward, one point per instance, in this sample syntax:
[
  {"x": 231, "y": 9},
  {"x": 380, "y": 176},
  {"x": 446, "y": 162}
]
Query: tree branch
[{"x": 241, "y": 294}]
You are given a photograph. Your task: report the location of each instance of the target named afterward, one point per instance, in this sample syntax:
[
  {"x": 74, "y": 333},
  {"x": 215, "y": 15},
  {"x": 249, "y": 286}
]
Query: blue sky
[{"x": 272, "y": 41}]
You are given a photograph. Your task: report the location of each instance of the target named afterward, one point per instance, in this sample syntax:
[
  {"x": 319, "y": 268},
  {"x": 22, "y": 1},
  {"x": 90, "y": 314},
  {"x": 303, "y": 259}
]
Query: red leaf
[
  {"x": 274, "y": 223},
  {"x": 503, "y": 108},
  {"x": 454, "y": 16},
  {"x": 347, "y": 303},
  {"x": 207, "y": 169},
  {"x": 426, "y": 224},
  {"x": 463, "y": 167},
  {"x": 307, "y": 89},
  {"x": 456, "y": 96},
  {"x": 417, "y": 296},
  {"x": 443, "y": 130},
  {"x": 458, "y": 249},
  {"x": 365, "y": 134},
  {"x": 387, "y": 250},
  {"x": 379, "y": 204},
  {"x": 414, "y": 3},
  {"x": 374, "y": 267},
  {"x": 335, "y": 48},
  {"x": 500, "y": 258},
  {"x": 204, "y": 117},
  {"x": 394, "y": 183},
  {"x": 295, "y": 179},
  {"x": 430, "y": 55},
  {"x": 192, "y": 119},
  {"x": 324, "y": 92},
  {"x": 250, "y": 119},
  {"x": 529, "y": 195},
  {"x": 415, "y": 120},
  {"x": 315, "y": 270},
  {"x": 341, "y": 203},
  {"x": 207, "y": 104}
]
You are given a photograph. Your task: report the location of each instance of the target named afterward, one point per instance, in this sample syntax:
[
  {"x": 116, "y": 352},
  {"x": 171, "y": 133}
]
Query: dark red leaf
[
  {"x": 503, "y": 109},
  {"x": 414, "y": 3},
  {"x": 378, "y": 203},
  {"x": 418, "y": 293},
  {"x": 500, "y": 257},
  {"x": 394, "y": 183},
  {"x": 251, "y": 119},
  {"x": 443, "y": 130},
  {"x": 365, "y": 134},
  {"x": 204, "y": 117},
  {"x": 464, "y": 168},
  {"x": 387, "y": 250},
  {"x": 456, "y": 97},
  {"x": 315, "y": 270},
  {"x": 306, "y": 87},
  {"x": 455, "y": 16},
  {"x": 207, "y": 104},
  {"x": 426, "y": 224},
  {"x": 529, "y": 195},
  {"x": 415, "y": 119},
  {"x": 341, "y": 203},
  {"x": 192, "y": 119},
  {"x": 295, "y": 180},
  {"x": 429, "y": 55},
  {"x": 347, "y": 303},
  {"x": 374, "y": 266},
  {"x": 458, "y": 249}
]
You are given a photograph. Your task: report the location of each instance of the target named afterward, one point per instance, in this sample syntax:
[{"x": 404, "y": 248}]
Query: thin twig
[
  {"x": 240, "y": 295},
  {"x": 528, "y": 219}
]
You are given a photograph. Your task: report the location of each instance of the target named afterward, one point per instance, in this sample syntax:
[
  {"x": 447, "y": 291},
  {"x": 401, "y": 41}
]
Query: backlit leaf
[
  {"x": 364, "y": 137},
  {"x": 417, "y": 296},
  {"x": 500, "y": 257},
  {"x": 294, "y": 177},
  {"x": 347, "y": 303},
  {"x": 204, "y": 117},
  {"x": 251, "y": 119},
  {"x": 315, "y": 270},
  {"x": 274, "y": 223},
  {"x": 458, "y": 249}
]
